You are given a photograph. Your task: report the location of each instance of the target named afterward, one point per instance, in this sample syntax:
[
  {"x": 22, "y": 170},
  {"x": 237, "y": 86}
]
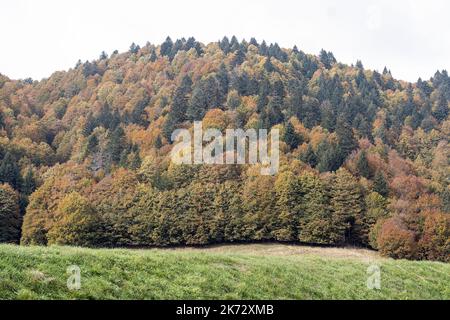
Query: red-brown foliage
[{"x": 396, "y": 241}]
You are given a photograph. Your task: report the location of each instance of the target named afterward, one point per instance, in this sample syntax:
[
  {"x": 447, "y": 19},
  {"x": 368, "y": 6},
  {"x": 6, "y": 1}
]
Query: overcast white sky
[{"x": 411, "y": 37}]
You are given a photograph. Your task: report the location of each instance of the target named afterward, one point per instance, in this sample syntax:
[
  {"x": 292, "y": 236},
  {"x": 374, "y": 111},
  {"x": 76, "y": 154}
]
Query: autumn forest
[{"x": 364, "y": 158}]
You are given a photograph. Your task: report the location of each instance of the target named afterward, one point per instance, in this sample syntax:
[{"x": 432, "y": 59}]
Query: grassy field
[{"x": 260, "y": 271}]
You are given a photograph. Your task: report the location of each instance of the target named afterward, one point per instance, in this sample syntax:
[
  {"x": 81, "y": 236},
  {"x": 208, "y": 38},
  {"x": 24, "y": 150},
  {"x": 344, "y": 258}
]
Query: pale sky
[{"x": 410, "y": 37}]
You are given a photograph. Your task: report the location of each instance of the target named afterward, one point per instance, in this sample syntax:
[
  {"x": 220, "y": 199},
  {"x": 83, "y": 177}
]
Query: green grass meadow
[{"x": 271, "y": 271}]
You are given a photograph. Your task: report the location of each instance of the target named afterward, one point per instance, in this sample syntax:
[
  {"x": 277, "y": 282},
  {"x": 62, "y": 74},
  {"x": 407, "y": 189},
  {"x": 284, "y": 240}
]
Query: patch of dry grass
[{"x": 276, "y": 249}]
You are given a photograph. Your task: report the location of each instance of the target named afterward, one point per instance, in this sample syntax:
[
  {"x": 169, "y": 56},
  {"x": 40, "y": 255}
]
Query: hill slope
[
  {"x": 85, "y": 154},
  {"x": 267, "y": 271}
]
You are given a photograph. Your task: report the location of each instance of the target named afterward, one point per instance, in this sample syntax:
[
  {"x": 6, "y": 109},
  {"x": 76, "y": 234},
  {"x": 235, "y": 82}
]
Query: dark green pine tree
[
  {"x": 2, "y": 120},
  {"x": 445, "y": 197},
  {"x": 424, "y": 87},
  {"x": 169, "y": 127},
  {"x": 180, "y": 110},
  {"x": 158, "y": 142},
  {"x": 224, "y": 82},
  {"x": 440, "y": 111},
  {"x": 328, "y": 156},
  {"x": 274, "y": 108},
  {"x": 153, "y": 56},
  {"x": 346, "y": 140},
  {"x": 197, "y": 105},
  {"x": 10, "y": 171},
  {"x": 327, "y": 116},
  {"x": 10, "y": 220},
  {"x": 90, "y": 69},
  {"x": 91, "y": 145},
  {"x": 263, "y": 121},
  {"x": 89, "y": 125},
  {"x": 138, "y": 115},
  {"x": 309, "y": 156},
  {"x": 134, "y": 48},
  {"x": 359, "y": 64},
  {"x": 380, "y": 184},
  {"x": 198, "y": 48},
  {"x": 136, "y": 161},
  {"x": 225, "y": 45},
  {"x": 105, "y": 117},
  {"x": 28, "y": 183},
  {"x": 348, "y": 209},
  {"x": 295, "y": 99},
  {"x": 363, "y": 165},
  {"x": 181, "y": 100},
  {"x": 274, "y": 113},
  {"x": 254, "y": 42},
  {"x": 123, "y": 159},
  {"x": 278, "y": 90},
  {"x": 363, "y": 127},
  {"x": 206, "y": 95},
  {"x": 263, "y": 49},
  {"x": 116, "y": 144},
  {"x": 211, "y": 93},
  {"x": 239, "y": 57},
  {"x": 268, "y": 66},
  {"x": 327, "y": 58},
  {"x": 166, "y": 47},
  {"x": 290, "y": 137},
  {"x": 240, "y": 83},
  {"x": 103, "y": 56},
  {"x": 264, "y": 91},
  {"x": 134, "y": 158},
  {"x": 177, "y": 46},
  {"x": 234, "y": 44},
  {"x": 115, "y": 120}
]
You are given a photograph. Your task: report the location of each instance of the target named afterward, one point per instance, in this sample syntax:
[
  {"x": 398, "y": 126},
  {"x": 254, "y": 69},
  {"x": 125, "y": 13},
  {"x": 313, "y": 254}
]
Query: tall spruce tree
[
  {"x": 166, "y": 47},
  {"x": 441, "y": 109},
  {"x": 315, "y": 224},
  {"x": 329, "y": 156},
  {"x": 363, "y": 165},
  {"x": 10, "y": 171},
  {"x": 348, "y": 208},
  {"x": 288, "y": 204},
  {"x": 224, "y": 82},
  {"x": 309, "y": 156},
  {"x": 116, "y": 144},
  {"x": 2, "y": 120},
  {"x": 294, "y": 99},
  {"x": 290, "y": 137},
  {"x": 380, "y": 184},
  {"x": 10, "y": 220},
  {"x": 346, "y": 140},
  {"x": 197, "y": 105},
  {"x": 274, "y": 111},
  {"x": 28, "y": 183},
  {"x": 181, "y": 100}
]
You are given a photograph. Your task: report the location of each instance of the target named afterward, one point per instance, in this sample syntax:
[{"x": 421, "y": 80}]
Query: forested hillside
[{"x": 364, "y": 157}]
